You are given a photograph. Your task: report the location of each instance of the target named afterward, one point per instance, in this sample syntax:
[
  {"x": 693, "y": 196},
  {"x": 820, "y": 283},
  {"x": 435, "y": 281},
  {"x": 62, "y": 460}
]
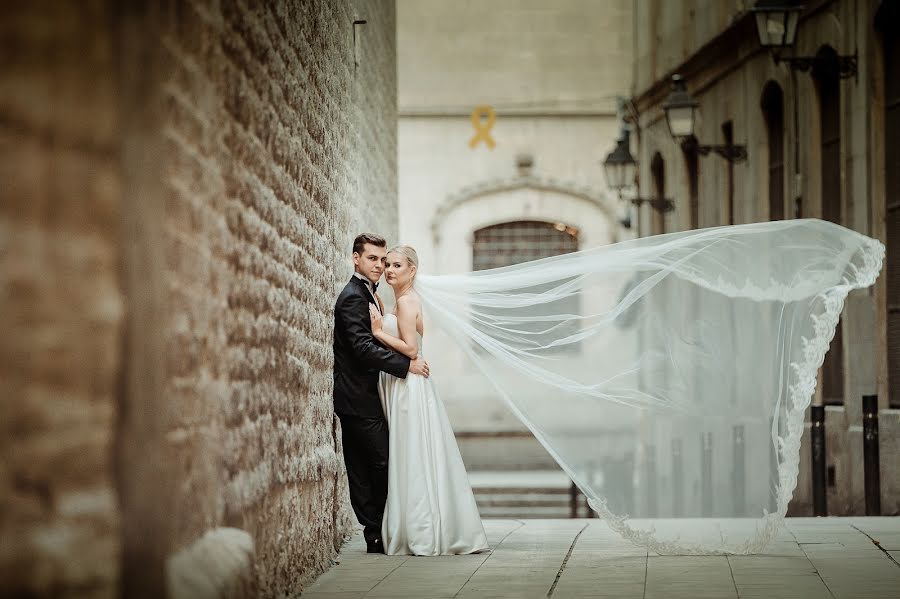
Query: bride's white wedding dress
[{"x": 430, "y": 506}]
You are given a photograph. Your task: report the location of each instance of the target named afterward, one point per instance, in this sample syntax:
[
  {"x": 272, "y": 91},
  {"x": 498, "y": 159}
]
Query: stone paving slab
[{"x": 813, "y": 557}]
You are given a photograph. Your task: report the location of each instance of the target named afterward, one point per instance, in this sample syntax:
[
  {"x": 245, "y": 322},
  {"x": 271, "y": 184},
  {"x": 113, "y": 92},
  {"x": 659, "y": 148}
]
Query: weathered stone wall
[
  {"x": 667, "y": 32},
  {"x": 59, "y": 298},
  {"x": 279, "y": 149},
  {"x": 181, "y": 187}
]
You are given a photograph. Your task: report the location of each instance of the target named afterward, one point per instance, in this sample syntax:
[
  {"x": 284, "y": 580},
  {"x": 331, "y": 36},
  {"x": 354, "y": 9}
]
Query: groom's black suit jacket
[{"x": 358, "y": 356}]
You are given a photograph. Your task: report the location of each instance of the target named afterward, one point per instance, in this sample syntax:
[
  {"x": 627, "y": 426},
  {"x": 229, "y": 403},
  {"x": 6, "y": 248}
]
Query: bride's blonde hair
[{"x": 412, "y": 258}]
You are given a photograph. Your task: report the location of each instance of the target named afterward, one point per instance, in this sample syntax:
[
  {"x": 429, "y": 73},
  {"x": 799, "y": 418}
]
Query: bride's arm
[{"x": 406, "y": 344}]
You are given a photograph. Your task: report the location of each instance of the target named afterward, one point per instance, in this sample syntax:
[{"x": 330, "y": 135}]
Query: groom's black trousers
[{"x": 365, "y": 442}]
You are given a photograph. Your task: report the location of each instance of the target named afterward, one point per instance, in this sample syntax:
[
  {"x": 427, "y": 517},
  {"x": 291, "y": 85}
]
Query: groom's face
[{"x": 370, "y": 263}]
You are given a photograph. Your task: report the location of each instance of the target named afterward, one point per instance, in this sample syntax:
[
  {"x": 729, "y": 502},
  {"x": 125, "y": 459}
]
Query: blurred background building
[
  {"x": 806, "y": 136},
  {"x": 548, "y": 75}
]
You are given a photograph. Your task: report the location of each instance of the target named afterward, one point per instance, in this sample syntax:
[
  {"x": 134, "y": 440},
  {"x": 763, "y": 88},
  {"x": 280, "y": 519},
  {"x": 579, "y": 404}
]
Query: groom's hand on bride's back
[{"x": 419, "y": 366}]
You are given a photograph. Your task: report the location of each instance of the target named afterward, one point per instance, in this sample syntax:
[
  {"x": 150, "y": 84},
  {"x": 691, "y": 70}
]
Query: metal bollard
[
  {"x": 628, "y": 483},
  {"x": 773, "y": 471},
  {"x": 592, "y": 470},
  {"x": 573, "y": 500},
  {"x": 738, "y": 471},
  {"x": 706, "y": 440},
  {"x": 677, "y": 479},
  {"x": 817, "y": 437},
  {"x": 871, "y": 464},
  {"x": 651, "y": 492}
]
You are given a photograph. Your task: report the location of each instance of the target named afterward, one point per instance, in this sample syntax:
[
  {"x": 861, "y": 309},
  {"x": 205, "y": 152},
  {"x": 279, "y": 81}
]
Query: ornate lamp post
[
  {"x": 776, "y": 26},
  {"x": 776, "y": 23},
  {"x": 619, "y": 168},
  {"x": 681, "y": 115}
]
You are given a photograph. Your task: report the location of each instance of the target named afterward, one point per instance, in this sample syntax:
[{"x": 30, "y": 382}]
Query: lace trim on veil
[{"x": 800, "y": 395}]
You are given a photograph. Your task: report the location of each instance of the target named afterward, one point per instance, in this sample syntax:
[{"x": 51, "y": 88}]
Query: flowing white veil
[{"x": 668, "y": 375}]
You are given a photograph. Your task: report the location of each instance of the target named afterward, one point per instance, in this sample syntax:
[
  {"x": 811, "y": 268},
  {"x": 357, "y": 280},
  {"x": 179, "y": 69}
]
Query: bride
[{"x": 430, "y": 506}]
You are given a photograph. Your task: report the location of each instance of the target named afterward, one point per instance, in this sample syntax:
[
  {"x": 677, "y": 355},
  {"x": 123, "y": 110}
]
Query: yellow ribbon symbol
[{"x": 483, "y": 118}]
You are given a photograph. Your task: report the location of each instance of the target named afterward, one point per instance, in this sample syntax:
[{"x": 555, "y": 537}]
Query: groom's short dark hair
[{"x": 370, "y": 238}]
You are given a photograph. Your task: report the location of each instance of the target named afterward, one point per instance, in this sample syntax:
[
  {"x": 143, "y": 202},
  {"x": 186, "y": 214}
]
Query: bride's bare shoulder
[{"x": 409, "y": 301}]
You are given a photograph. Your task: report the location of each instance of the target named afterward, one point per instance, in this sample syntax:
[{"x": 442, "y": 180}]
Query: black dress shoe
[{"x": 375, "y": 546}]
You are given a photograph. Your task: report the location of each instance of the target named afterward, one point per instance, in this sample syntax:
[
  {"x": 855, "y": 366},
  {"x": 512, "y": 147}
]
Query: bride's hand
[{"x": 375, "y": 316}]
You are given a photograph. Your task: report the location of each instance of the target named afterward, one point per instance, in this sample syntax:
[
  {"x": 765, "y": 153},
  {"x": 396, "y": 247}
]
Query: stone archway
[{"x": 524, "y": 198}]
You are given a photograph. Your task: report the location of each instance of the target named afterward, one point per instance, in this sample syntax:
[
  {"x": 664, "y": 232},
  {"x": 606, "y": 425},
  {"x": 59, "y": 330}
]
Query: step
[
  {"x": 526, "y": 494},
  {"x": 523, "y": 512},
  {"x": 521, "y": 501}
]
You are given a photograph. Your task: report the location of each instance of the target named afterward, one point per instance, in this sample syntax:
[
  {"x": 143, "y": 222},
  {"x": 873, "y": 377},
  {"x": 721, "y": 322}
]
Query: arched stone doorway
[{"x": 453, "y": 226}]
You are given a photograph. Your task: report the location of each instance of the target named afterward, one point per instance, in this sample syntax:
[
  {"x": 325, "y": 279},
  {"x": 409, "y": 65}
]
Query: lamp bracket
[
  {"x": 730, "y": 152},
  {"x": 661, "y": 204},
  {"x": 847, "y": 65}
]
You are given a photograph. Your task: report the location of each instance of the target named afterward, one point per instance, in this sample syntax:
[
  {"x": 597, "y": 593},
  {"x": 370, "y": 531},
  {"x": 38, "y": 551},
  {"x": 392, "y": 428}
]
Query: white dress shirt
[{"x": 369, "y": 287}]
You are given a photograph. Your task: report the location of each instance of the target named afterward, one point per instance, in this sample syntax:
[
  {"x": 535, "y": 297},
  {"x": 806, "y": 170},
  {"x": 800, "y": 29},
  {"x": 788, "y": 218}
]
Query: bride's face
[{"x": 398, "y": 271}]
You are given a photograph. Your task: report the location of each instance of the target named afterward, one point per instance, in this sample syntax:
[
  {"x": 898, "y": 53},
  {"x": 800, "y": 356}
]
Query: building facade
[
  {"x": 820, "y": 143},
  {"x": 505, "y": 112}
]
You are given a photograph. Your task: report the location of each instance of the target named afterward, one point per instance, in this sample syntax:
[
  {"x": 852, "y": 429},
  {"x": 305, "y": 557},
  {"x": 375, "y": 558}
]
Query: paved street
[{"x": 853, "y": 558}]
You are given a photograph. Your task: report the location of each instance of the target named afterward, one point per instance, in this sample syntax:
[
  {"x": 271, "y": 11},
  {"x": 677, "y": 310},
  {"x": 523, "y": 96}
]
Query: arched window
[
  {"x": 658, "y": 171},
  {"x": 692, "y": 166},
  {"x": 522, "y": 241},
  {"x": 728, "y": 134},
  {"x": 886, "y": 20},
  {"x": 772, "y": 104},
  {"x": 825, "y": 74}
]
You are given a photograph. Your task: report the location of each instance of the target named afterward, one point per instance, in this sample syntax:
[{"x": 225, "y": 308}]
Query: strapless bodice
[{"x": 391, "y": 327}]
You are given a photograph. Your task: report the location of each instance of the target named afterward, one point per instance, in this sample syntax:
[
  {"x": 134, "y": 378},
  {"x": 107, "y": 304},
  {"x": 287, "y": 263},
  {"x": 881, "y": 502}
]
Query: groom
[{"x": 358, "y": 360}]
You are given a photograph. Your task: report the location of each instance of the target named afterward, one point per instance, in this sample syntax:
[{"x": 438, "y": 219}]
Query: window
[
  {"x": 772, "y": 104},
  {"x": 692, "y": 166},
  {"x": 522, "y": 241},
  {"x": 825, "y": 73},
  {"x": 728, "y": 134},
  {"x": 658, "y": 171}
]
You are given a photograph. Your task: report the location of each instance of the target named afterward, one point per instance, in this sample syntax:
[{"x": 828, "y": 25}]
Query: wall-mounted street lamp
[
  {"x": 619, "y": 168},
  {"x": 681, "y": 115},
  {"x": 776, "y": 26},
  {"x": 776, "y": 23}
]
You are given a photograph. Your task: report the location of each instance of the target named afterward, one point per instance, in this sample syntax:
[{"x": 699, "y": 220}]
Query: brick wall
[{"x": 179, "y": 222}]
